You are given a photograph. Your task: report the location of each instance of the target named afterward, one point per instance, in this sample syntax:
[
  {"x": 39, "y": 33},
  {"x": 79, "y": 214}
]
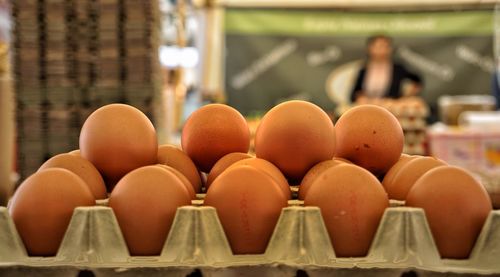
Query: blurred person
[{"x": 380, "y": 76}]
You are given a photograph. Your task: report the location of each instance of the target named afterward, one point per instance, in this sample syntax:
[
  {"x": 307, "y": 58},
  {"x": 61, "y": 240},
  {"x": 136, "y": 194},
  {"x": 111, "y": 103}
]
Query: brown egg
[
  {"x": 223, "y": 163},
  {"x": 43, "y": 205},
  {"x": 182, "y": 178},
  {"x": 294, "y": 136},
  {"x": 371, "y": 137},
  {"x": 176, "y": 158},
  {"x": 81, "y": 167},
  {"x": 409, "y": 174},
  {"x": 117, "y": 139},
  {"x": 75, "y": 152},
  {"x": 270, "y": 169},
  {"x": 313, "y": 173},
  {"x": 352, "y": 202},
  {"x": 248, "y": 205},
  {"x": 341, "y": 160},
  {"x": 145, "y": 202},
  {"x": 389, "y": 176},
  {"x": 456, "y": 207},
  {"x": 213, "y": 131}
]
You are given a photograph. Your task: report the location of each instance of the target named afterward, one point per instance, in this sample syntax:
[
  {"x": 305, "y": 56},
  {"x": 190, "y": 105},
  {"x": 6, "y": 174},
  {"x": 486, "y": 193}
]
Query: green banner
[
  {"x": 307, "y": 23},
  {"x": 274, "y": 55}
]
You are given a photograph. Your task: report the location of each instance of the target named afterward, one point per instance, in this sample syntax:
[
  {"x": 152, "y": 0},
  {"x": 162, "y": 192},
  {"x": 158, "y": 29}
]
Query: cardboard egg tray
[{"x": 300, "y": 242}]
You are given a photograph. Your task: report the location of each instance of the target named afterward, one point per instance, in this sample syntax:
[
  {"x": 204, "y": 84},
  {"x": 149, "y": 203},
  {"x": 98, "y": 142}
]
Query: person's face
[{"x": 380, "y": 49}]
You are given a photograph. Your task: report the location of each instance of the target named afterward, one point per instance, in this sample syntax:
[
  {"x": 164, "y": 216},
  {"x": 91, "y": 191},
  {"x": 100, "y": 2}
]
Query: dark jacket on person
[{"x": 399, "y": 73}]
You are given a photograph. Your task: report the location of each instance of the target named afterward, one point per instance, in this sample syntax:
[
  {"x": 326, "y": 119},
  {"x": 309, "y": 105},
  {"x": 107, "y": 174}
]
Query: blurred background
[{"x": 62, "y": 59}]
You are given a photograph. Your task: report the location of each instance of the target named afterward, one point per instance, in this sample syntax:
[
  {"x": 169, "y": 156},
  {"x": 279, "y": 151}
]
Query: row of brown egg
[{"x": 337, "y": 166}]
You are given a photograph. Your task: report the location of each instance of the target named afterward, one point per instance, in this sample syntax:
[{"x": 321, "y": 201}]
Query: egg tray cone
[{"x": 94, "y": 242}]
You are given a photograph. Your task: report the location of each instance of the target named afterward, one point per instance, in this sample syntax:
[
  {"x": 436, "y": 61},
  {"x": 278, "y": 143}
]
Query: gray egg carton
[{"x": 93, "y": 241}]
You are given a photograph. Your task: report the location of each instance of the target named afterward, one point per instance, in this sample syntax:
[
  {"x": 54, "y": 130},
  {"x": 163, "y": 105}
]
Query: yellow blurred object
[
  {"x": 493, "y": 156},
  {"x": 4, "y": 60},
  {"x": 6, "y": 125}
]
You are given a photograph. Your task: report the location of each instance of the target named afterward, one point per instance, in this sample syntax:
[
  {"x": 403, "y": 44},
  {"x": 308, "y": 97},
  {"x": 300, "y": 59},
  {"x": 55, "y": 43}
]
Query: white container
[
  {"x": 450, "y": 107},
  {"x": 476, "y": 149}
]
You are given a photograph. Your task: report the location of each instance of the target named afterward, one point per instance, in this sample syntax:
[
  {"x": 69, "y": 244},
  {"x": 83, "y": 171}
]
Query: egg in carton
[
  {"x": 410, "y": 107},
  {"x": 414, "y": 149},
  {"x": 93, "y": 241},
  {"x": 415, "y": 136}
]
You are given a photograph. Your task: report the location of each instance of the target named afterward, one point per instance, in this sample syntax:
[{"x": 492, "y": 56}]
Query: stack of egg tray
[
  {"x": 26, "y": 51},
  {"x": 31, "y": 142},
  {"x": 55, "y": 30},
  {"x": 108, "y": 62},
  {"x": 64, "y": 49},
  {"x": 72, "y": 56},
  {"x": 414, "y": 124},
  {"x": 43, "y": 132},
  {"x": 300, "y": 245},
  {"x": 141, "y": 36}
]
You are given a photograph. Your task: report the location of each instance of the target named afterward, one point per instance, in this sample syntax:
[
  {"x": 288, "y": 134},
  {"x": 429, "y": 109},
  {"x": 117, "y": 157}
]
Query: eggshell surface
[
  {"x": 223, "y": 163},
  {"x": 145, "y": 202},
  {"x": 456, "y": 207},
  {"x": 117, "y": 139},
  {"x": 409, "y": 174},
  {"x": 294, "y": 136},
  {"x": 389, "y": 176},
  {"x": 270, "y": 169},
  {"x": 213, "y": 131},
  {"x": 248, "y": 206},
  {"x": 81, "y": 167},
  {"x": 43, "y": 205},
  {"x": 371, "y": 137},
  {"x": 352, "y": 202},
  {"x": 182, "y": 178},
  {"x": 313, "y": 173},
  {"x": 176, "y": 158}
]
